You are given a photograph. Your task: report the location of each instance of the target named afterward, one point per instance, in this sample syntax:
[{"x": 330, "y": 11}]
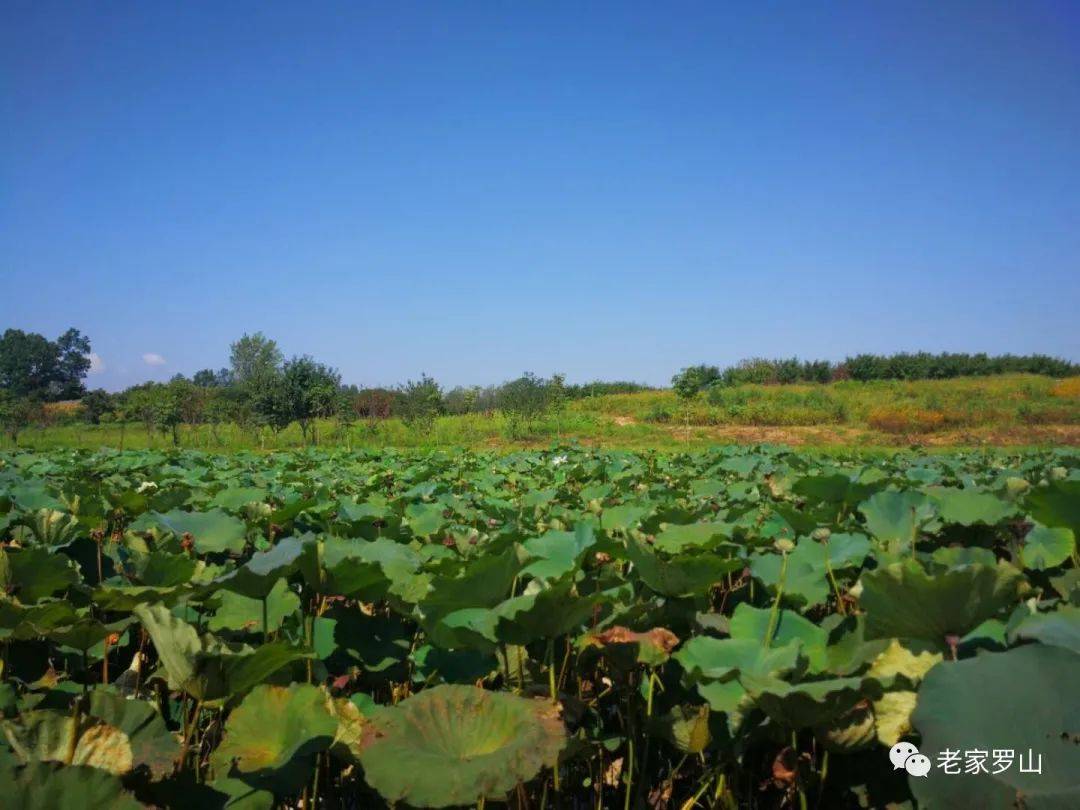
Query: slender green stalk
[{"x": 774, "y": 614}]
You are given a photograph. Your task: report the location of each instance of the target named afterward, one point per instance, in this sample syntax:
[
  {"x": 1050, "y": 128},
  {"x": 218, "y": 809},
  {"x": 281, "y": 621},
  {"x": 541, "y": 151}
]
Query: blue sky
[{"x": 472, "y": 190}]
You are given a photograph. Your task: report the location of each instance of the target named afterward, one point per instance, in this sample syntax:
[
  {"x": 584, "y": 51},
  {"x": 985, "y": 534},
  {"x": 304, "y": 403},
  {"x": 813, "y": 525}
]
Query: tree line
[
  {"x": 259, "y": 389},
  {"x": 868, "y": 367}
]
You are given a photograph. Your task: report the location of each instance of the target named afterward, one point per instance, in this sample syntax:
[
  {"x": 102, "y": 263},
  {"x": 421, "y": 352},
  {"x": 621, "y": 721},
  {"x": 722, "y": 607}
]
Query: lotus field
[{"x": 575, "y": 628}]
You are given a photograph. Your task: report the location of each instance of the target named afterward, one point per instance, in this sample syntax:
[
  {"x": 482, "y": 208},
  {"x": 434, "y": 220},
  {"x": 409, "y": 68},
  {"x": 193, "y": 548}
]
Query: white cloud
[
  {"x": 97, "y": 365},
  {"x": 153, "y": 359}
]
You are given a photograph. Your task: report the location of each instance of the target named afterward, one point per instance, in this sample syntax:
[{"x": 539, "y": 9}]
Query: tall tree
[
  {"x": 254, "y": 356},
  {"x": 36, "y": 367}
]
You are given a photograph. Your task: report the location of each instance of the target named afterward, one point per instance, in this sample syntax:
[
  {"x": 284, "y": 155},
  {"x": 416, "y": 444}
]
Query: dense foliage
[
  {"x": 866, "y": 367},
  {"x": 740, "y": 627}
]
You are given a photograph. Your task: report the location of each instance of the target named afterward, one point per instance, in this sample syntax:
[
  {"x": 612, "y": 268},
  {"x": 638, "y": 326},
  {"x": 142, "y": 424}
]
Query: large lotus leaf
[
  {"x": 481, "y": 583},
  {"x": 465, "y": 629},
  {"x": 377, "y": 642},
  {"x": 125, "y": 598},
  {"x": 425, "y": 519},
  {"x": 274, "y": 733},
  {"x": 1023, "y": 700},
  {"x": 242, "y": 613},
  {"x": 48, "y": 736},
  {"x": 344, "y": 567},
  {"x": 152, "y": 744},
  {"x": 909, "y": 662},
  {"x": 1061, "y": 628},
  {"x": 36, "y": 573},
  {"x": 804, "y": 705},
  {"x": 25, "y": 622},
  {"x": 433, "y": 664},
  {"x": 895, "y": 518},
  {"x": 213, "y": 531},
  {"x": 163, "y": 570},
  {"x": 452, "y": 745},
  {"x": 1056, "y": 505},
  {"x": 203, "y": 666},
  {"x": 264, "y": 569},
  {"x": 967, "y": 507},
  {"x": 684, "y": 575},
  {"x": 625, "y": 516},
  {"x": 235, "y": 498},
  {"x": 835, "y": 488},
  {"x": 903, "y": 601},
  {"x": 548, "y": 613},
  {"x": 81, "y": 635},
  {"x": 239, "y": 795},
  {"x": 43, "y": 786},
  {"x": 556, "y": 553},
  {"x": 846, "y": 550},
  {"x": 675, "y": 538},
  {"x": 805, "y": 573},
  {"x": 752, "y": 624},
  {"x": 1045, "y": 547},
  {"x": 708, "y": 658}
]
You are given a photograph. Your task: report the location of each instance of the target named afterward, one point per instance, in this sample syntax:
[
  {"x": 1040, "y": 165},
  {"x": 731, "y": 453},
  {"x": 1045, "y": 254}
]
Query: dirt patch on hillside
[{"x": 1011, "y": 436}]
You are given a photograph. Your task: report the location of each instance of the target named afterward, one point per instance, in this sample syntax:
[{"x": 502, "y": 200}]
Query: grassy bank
[{"x": 1017, "y": 410}]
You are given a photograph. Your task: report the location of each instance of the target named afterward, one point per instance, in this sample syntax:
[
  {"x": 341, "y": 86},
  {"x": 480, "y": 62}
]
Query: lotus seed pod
[
  {"x": 823, "y": 533},
  {"x": 1058, "y": 473},
  {"x": 784, "y": 544},
  {"x": 1016, "y": 486}
]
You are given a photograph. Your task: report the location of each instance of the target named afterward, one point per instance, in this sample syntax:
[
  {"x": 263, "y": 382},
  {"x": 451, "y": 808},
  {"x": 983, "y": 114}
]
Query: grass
[{"x": 1013, "y": 411}]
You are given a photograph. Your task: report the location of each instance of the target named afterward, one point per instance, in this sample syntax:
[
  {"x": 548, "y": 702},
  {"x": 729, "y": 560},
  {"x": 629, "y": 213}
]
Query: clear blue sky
[{"x": 472, "y": 190}]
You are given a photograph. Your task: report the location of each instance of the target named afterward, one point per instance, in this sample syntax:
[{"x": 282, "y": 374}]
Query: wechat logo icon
[{"x": 905, "y": 755}]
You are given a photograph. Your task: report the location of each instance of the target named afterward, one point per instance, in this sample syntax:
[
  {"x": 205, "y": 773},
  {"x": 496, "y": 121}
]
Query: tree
[
  {"x": 301, "y": 392},
  {"x": 687, "y": 384},
  {"x": 208, "y": 378},
  {"x": 420, "y": 402},
  {"x": 96, "y": 404},
  {"x": 33, "y": 366},
  {"x": 17, "y": 413},
  {"x": 254, "y": 356}
]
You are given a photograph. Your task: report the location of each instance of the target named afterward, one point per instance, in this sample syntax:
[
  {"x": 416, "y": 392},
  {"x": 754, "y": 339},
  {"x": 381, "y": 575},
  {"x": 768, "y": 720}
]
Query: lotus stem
[
  {"x": 551, "y": 670},
  {"x": 774, "y": 614}
]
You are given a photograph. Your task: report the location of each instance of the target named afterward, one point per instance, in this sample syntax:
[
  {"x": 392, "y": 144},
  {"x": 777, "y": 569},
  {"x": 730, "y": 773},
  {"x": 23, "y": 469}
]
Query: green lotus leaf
[
  {"x": 1056, "y": 505},
  {"x": 242, "y": 613},
  {"x": 625, "y": 516},
  {"x": 212, "y": 532},
  {"x": 684, "y": 575},
  {"x": 235, "y": 498},
  {"x": 377, "y": 643},
  {"x": 27, "y": 621},
  {"x": 804, "y": 705},
  {"x": 152, "y": 744},
  {"x": 708, "y": 658},
  {"x": 452, "y": 745},
  {"x": 547, "y": 613},
  {"x": 468, "y": 628},
  {"x": 674, "y": 539},
  {"x": 434, "y": 665},
  {"x": 752, "y": 624},
  {"x": 44, "y": 786},
  {"x": 903, "y": 601},
  {"x": 163, "y": 570},
  {"x": 1061, "y": 628},
  {"x": 202, "y": 665},
  {"x": 239, "y": 795},
  {"x": 1045, "y": 547},
  {"x": 967, "y": 507},
  {"x": 805, "y": 576},
  {"x": 960, "y": 707},
  {"x": 48, "y": 736},
  {"x": 125, "y": 598},
  {"x": 557, "y": 553},
  {"x": 273, "y": 735},
  {"x": 835, "y": 488},
  {"x": 36, "y": 573},
  {"x": 345, "y": 567},
  {"x": 261, "y": 573},
  {"x": 481, "y": 583},
  {"x": 895, "y": 518}
]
